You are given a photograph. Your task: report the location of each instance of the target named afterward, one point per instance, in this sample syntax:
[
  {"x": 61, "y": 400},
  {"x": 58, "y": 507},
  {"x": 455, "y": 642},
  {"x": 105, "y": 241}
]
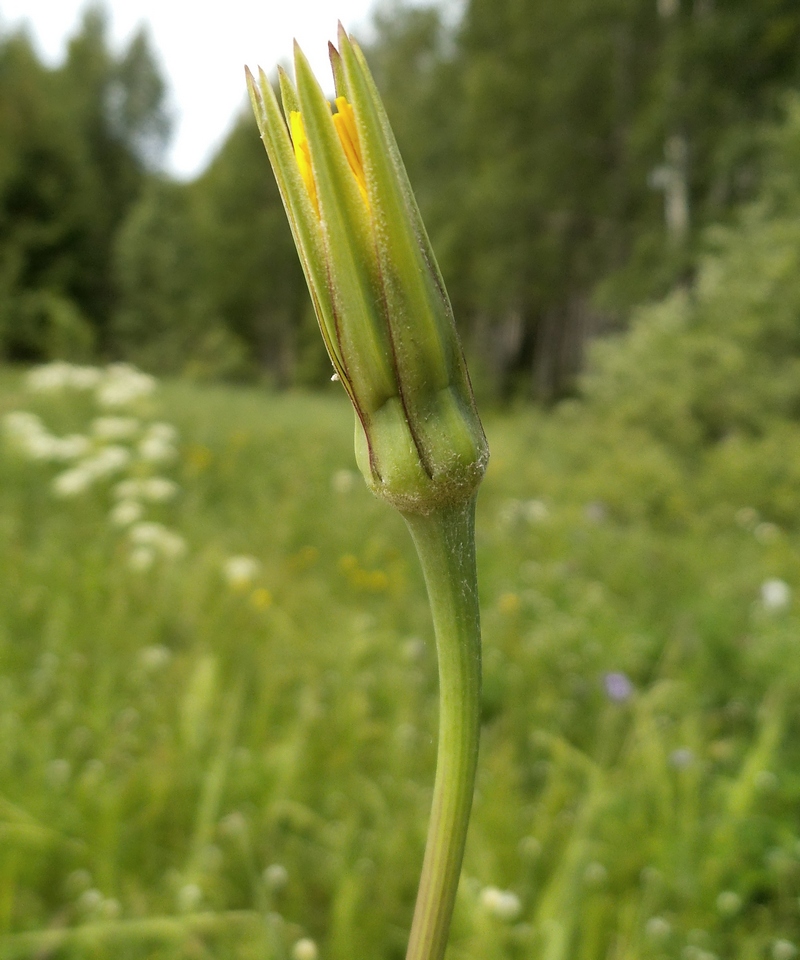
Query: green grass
[{"x": 164, "y": 739}]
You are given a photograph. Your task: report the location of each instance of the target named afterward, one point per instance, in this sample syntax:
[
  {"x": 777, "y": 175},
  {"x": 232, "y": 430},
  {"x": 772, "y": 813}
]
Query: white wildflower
[
  {"x": 154, "y": 489},
  {"x": 766, "y": 532},
  {"x": 783, "y": 950},
  {"x": 122, "y": 384},
  {"x": 729, "y": 903},
  {"x": 156, "y": 450},
  {"x": 158, "y": 538},
  {"x": 126, "y": 512},
  {"x": 71, "y": 447},
  {"x": 158, "y": 443},
  {"x": 141, "y": 558},
  {"x": 128, "y": 489},
  {"x": 90, "y": 900},
  {"x": 305, "y": 949},
  {"x": 344, "y": 481},
  {"x": 162, "y": 431},
  {"x": 158, "y": 489},
  {"x": 115, "y": 428},
  {"x": 189, "y": 897},
  {"x": 233, "y": 825},
  {"x": 147, "y": 533},
  {"x": 27, "y": 432},
  {"x": 681, "y": 758},
  {"x": 154, "y": 657},
  {"x": 276, "y": 876},
  {"x": 775, "y": 594},
  {"x": 39, "y": 446},
  {"x": 172, "y": 545},
  {"x": 240, "y": 571},
  {"x": 72, "y": 482},
  {"x": 535, "y": 511},
  {"x": 524, "y": 511},
  {"x": 110, "y": 909},
  {"x": 502, "y": 904},
  {"x": 60, "y": 376},
  {"x": 106, "y": 461},
  {"x": 657, "y": 928},
  {"x": 52, "y": 376},
  {"x": 747, "y": 518},
  {"x": 84, "y": 378},
  {"x": 21, "y": 423}
]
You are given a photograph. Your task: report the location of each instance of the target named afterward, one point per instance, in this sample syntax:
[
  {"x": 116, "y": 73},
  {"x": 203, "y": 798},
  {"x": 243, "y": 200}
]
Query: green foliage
[
  {"x": 167, "y": 736},
  {"x": 45, "y": 324},
  {"x": 719, "y": 363},
  {"x": 41, "y": 181},
  {"x": 75, "y": 144},
  {"x": 547, "y": 143},
  {"x": 162, "y": 321},
  {"x": 251, "y": 277},
  {"x": 539, "y": 136}
]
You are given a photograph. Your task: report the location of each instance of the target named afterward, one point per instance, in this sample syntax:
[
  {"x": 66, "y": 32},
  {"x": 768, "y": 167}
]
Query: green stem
[{"x": 445, "y": 542}]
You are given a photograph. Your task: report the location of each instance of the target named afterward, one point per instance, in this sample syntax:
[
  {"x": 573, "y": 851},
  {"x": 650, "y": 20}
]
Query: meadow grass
[{"x": 191, "y": 768}]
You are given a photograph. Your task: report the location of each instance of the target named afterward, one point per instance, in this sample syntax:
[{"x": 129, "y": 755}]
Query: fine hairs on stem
[{"x": 445, "y": 542}]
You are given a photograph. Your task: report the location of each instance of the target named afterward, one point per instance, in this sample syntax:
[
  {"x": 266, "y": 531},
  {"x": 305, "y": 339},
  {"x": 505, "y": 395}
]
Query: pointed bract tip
[{"x": 252, "y": 86}]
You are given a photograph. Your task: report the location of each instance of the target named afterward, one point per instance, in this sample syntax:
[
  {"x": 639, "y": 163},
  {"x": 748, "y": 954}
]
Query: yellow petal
[
  {"x": 345, "y": 123},
  {"x": 303, "y": 154}
]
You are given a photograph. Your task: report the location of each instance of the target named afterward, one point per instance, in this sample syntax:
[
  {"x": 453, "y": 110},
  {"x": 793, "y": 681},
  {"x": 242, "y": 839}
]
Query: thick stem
[{"x": 445, "y": 542}]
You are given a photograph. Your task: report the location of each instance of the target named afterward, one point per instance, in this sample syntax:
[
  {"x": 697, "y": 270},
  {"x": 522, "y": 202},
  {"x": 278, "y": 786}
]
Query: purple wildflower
[{"x": 618, "y": 686}]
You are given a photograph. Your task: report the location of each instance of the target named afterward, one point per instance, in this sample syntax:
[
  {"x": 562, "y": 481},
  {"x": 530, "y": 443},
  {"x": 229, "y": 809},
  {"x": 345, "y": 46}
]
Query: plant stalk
[{"x": 445, "y": 542}]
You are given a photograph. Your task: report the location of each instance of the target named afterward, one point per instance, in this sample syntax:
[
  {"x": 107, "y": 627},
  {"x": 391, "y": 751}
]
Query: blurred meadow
[
  {"x": 218, "y": 694},
  {"x": 230, "y": 748}
]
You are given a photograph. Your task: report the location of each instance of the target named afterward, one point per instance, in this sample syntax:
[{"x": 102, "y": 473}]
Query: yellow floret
[
  {"x": 345, "y": 123},
  {"x": 303, "y": 155}
]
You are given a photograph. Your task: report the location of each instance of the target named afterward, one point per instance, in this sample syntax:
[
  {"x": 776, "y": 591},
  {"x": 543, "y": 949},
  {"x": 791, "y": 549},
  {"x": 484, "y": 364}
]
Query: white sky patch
[{"x": 203, "y": 50}]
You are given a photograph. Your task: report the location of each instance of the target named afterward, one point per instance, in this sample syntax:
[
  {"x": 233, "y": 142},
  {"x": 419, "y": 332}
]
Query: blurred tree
[
  {"x": 42, "y": 181},
  {"x": 76, "y": 144},
  {"x": 161, "y": 311},
  {"x": 136, "y": 103},
  {"x": 719, "y": 365},
  {"x": 567, "y": 155},
  {"x": 115, "y": 105},
  {"x": 250, "y": 272}
]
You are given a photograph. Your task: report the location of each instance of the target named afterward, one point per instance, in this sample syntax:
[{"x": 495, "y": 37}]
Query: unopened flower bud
[{"x": 378, "y": 294}]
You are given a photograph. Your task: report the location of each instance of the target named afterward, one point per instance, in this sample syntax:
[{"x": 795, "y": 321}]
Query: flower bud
[{"x": 377, "y": 291}]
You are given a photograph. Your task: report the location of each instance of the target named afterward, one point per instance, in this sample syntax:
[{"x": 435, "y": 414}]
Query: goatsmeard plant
[{"x": 389, "y": 330}]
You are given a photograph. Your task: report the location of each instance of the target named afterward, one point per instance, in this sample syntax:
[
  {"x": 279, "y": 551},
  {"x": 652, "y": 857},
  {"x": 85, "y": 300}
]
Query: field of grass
[{"x": 199, "y": 765}]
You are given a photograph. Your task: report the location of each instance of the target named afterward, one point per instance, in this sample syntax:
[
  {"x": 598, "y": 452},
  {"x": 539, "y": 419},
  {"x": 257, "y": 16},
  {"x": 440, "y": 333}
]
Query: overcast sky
[{"x": 203, "y": 49}]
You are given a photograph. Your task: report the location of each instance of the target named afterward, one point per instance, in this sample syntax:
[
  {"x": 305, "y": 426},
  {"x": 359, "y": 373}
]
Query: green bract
[{"x": 377, "y": 291}]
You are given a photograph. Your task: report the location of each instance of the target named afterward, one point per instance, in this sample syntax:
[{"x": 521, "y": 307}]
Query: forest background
[{"x": 568, "y": 159}]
